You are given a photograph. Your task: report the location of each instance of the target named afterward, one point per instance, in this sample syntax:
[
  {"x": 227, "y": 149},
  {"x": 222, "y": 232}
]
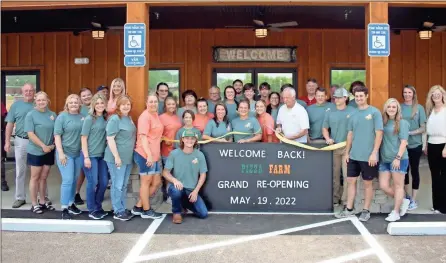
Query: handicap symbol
[
  {"x": 133, "y": 42},
  {"x": 377, "y": 43}
]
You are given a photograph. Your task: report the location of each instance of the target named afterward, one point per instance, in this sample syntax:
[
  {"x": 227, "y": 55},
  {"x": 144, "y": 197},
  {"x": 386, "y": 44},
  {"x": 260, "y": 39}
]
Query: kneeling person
[{"x": 184, "y": 185}]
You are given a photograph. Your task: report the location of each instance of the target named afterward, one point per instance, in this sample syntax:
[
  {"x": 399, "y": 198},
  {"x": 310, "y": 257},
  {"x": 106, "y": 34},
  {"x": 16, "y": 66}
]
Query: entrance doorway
[
  {"x": 276, "y": 77},
  {"x": 12, "y": 82}
]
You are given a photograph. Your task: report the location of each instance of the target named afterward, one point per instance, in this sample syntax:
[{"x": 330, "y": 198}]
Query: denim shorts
[
  {"x": 143, "y": 168},
  {"x": 40, "y": 160},
  {"x": 387, "y": 167}
]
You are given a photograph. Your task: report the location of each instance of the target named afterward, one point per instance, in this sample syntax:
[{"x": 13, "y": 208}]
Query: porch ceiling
[{"x": 176, "y": 17}]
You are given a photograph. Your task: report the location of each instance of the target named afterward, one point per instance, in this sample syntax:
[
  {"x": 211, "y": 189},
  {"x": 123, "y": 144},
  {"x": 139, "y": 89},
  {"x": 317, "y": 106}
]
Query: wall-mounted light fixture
[
  {"x": 261, "y": 32},
  {"x": 98, "y": 34},
  {"x": 425, "y": 34},
  {"x": 80, "y": 61}
]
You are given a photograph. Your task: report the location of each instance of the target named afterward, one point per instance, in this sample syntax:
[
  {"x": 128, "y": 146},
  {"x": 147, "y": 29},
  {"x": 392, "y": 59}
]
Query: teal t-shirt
[
  {"x": 232, "y": 111},
  {"x": 85, "y": 110},
  {"x": 415, "y": 122},
  {"x": 250, "y": 125},
  {"x": 69, "y": 127},
  {"x": 352, "y": 103},
  {"x": 252, "y": 109},
  {"x": 316, "y": 115},
  {"x": 42, "y": 124},
  {"x": 17, "y": 114},
  {"x": 274, "y": 113},
  {"x": 391, "y": 141},
  {"x": 363, "y": 124},
  {"x": 337, "y": 121},
  {"x": 180, "y": 132},
  {"x": 181, "y": 110},
  {"x": 211, "y": 106},
  {"x": 186, "y": 167},
  {"x": 302, "y": 103},
  {"x": 94, "y": 129},
  {"x": 160, "y": 107},
  {"x": 124, "y": 131},
  {"x": 213, "y": 131}
]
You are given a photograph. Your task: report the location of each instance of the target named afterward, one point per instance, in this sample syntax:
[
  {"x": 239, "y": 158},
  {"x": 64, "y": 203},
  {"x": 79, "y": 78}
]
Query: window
[
  {"x": 169, "y": 76},
  {"x": 344, "y": 77},
  {"x": 275, "y": 80},
  {"x": 12, "y": 82}
]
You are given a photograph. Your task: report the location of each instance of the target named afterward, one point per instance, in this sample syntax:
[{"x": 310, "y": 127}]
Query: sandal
[
  {"x": 36, "y": 209},
  {"x": 47, "y": 207}
]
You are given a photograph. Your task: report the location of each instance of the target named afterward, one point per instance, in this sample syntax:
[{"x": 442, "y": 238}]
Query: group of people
[{"x": 96, "y": 134}]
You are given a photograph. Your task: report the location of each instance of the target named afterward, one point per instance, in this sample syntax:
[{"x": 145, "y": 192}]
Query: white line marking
[
  {"x": 380, "y": 252},
  {"x": 352, "y": 256},
  {"x": 143, "y": 240},
  {"x": 270, "y": 213},
  {"x": 181, "y": 251}
]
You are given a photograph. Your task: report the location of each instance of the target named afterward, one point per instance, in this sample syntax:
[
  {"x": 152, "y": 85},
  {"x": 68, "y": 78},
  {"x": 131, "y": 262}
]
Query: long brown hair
[
  {"x": 398, "y": 116},
  {"x": 121, "y": 100},
  {"x": 414, "y": 100}
]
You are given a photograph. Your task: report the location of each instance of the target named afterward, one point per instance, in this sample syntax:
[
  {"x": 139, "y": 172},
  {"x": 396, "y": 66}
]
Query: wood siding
[{"x": 413, "y": 61}]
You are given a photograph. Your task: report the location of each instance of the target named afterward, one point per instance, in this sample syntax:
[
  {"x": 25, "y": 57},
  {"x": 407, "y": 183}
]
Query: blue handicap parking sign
[
  {"x": 378, "y": 40},
  {"x": 135, "y": 39}
]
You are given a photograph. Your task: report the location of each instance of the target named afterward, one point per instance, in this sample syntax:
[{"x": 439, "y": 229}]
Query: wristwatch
[{"x": 398, "y": 157}]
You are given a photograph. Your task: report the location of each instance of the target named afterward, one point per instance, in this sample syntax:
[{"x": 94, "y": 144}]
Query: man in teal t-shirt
[
  {"x": 365, "y": 131},
  {"x": 16, "y": 116},
  {"x": 334, "y": 130},
  {"x": 316, "y": 115},
  {"x": 189, "y": 174}
]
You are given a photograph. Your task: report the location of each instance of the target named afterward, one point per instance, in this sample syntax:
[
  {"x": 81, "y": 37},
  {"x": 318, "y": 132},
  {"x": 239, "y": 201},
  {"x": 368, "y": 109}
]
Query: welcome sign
[
  {"x": 267, "y": 177},
  {"x": 255, "y": 54}
]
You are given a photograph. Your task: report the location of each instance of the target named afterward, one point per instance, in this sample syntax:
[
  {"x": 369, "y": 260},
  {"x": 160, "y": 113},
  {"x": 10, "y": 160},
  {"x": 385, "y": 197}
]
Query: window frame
[
  {"x": 355, "y": 67},
  {"x": 179, "y": 78}
]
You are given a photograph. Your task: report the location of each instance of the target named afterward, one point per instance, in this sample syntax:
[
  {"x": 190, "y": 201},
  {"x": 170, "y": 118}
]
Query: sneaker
[
  {"x": 393, "y": 216},
  {"x": 404, "y": 206},
  {"x": 345, "y": 213},
  {"x": 150, "y": 214},
  {"x": 365, "y": 215},
  {"x": 18, "y": 203},
  {"x": 96, "y": 215},
  {"x": 78, "y": 200},
  {"x": 436, "y": 212},
  {"x": 5, "y": 187},
  {"x": 413, "y": 205},
  {"x": 123, "y": 216},
  {"x": 102, "y": 213},
  {"x": 74, "y": 210},
  {"x": 66, "y": 215},
  {"x": 48, "y": 207},
  {"x": 137, "y": 211},
  {"x": 129, "y": 213}
]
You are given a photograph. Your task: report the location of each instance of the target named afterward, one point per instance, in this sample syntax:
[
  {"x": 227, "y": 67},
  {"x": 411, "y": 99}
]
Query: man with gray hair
[
  {"x": 292, "y": 118},
  {"x": 16, "y": 116},
  {"x": 214, "y": 97}
]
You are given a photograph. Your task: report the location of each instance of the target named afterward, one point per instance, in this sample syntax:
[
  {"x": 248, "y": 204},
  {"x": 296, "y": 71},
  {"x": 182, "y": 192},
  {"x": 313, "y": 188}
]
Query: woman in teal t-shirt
[
  {"x": 219, "y": 125},
  {"x": 230, "y": 102},
  {"x": 39, "y": 124},
  {"x": 67, "y": 136},
  {"x": 246, "y": 124},
  {"x": 121, "y": 137},
  {"x": 93, "y": 146},
  {"x": 394, "y": 159}
]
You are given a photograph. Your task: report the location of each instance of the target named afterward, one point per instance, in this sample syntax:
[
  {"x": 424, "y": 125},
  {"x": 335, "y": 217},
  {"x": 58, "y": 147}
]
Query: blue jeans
[
  {"x": 97, "y": 180},
  {"x": 120, "y": 179},
  {"x": 180, "y": 199},
  {"x": 70, "y": 172}
]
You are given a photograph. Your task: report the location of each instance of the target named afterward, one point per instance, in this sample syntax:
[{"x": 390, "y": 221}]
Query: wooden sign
[{"x": 255, "y": 54}]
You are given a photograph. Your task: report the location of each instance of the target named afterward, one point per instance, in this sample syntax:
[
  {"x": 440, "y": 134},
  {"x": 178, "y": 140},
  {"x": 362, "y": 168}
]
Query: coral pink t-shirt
[
  {"x": 267, "y": 123},
  {"x": 201, "y": 121},
  {"x": 171, "y": 124},
  {"x": 149, "y": 125}
]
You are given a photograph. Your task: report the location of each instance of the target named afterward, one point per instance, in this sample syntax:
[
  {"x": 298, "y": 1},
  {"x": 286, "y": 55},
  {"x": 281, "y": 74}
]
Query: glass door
[
  {"x": 276, "y": 77},
  {"x": 11, "y": 85},
  {"x": 224, "y": 77}
]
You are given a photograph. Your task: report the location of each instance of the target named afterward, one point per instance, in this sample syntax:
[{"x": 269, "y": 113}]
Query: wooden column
[
  {"x": 377, "y": 67},
  {"x": 137, "y": 78}
]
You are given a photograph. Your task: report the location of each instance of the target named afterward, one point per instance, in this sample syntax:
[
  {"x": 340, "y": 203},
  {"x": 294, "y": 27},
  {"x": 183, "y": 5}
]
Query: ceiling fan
[
  {"x": 95, "y": 26},
  {"x": 259, "y": 24},
  {"x": 426, "y": 25}
]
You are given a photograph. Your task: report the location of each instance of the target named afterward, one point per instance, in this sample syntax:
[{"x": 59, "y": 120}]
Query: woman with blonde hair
[
  {"x": 117, "y": 88},
  {"x": 394, "y": 158},
  {"x": 436, "y": 145},
  {"x": 415, "y": 115},
  {"x": 39, "y": 124},
  {"x": 92, "y": 155},
  {"x": 67, "y": 137},
  {"x": 148, "y": 157},
  {"x": 121, "y": 137}
]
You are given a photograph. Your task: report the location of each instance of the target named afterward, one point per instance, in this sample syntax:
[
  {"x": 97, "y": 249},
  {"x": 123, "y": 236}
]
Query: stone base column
[
  {"x": 381, "y": 203},
  {"x": 135, "y": 184}
]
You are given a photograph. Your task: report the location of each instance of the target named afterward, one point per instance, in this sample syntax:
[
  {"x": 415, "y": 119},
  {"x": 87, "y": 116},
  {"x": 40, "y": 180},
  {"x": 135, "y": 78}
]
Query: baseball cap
[
  {"x": 99, "y": 88},
  {"x": 340, "y": 92},
  {"x": 188, "y": 133}
]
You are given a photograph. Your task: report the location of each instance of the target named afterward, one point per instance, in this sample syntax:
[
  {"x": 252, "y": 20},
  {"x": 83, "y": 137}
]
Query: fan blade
[
  {"x": 238, "y": 26},
  {"x": 258, "y": 22},
  {"x": 439, "y": 28},
  {"x": 95, "y": 24},
  {"x": 284, "y": 24},
  {"x": 428, "y": 24},
  {"x": 116, "y": 27},
  {"x": 275, "y": 29}
]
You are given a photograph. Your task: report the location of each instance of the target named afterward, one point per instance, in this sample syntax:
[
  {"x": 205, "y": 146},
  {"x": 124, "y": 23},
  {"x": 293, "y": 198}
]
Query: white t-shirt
[
  {"x": 436, "y": 127},
  {"x": 293, "y": 121}
]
